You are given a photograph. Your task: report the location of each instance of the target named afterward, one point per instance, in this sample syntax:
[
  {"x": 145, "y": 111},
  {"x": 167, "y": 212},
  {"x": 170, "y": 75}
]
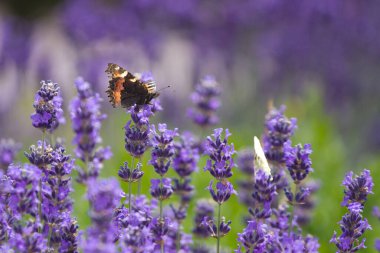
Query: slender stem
[
  {"x": 292, "y": 209},
  {"x": 178, "y": 237},
  {"x": 130, "y": 186},
  {"x": 40, "y": 184},
  {"x": 161, "y": 215},
  {"x": 139, "y": 182},
  {"x": 129, "y": 196},
  {"x": 218, "y": 230}
]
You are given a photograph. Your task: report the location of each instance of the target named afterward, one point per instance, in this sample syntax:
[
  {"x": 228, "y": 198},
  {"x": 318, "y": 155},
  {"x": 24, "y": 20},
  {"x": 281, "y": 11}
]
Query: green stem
[
  {"x": 218, "y": 230},
  {"x": 178, "y": 237},
  {"x": 292, "y": 210},
  {"x": 130, "y": 186},
  {"x": 40, "y": 184}
]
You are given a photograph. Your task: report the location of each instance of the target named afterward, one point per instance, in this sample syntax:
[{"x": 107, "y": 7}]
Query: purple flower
[
  {"x": 86, "y": 118},
  {"x": 220, "y": 152},
  {"x": 163, "y": 148},
  {"x": 161, "y": 188},
  {"x": 377, "y": 244},
  {"x": 245, "y": 162},
  {"x": 8, "y": 151},
  {"x": 130, "y": 175},
  {"x": 137, "y": 139},
  {"x": 159, "y": 229},
  {"x": 264, "y": 191},
  {"x": 206, "y": 100},
  {"x": 223, "y": 192},
  {"x": 353, "y": 225},
  {"x": 69, "y": 241},
  {"x": 47, "y": 103},
  {"x": 210, "y": 225},
  {"x": 104, "y": 196},
  {"x": 40, "y": 155},
  {"x": 203, "y": 209},
  {"x": 255, "y": 237},
  {"x": 298, "y": 161},
  {"x": 357, "y": 188},
  {"x": 303, "y": 212},
  {"x": 278, "y": 130},
  {"x": 186, "y": 157}
]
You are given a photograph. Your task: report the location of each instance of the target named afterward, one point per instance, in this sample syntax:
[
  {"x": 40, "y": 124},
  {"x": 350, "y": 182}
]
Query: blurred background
[{"x": 319, "y": 58}]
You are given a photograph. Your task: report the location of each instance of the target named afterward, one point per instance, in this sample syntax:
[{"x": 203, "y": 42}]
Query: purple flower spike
[
  {"x": 264, "y": 191},
  {"x": 47, "y": 103},
  {"x": 221, "y": 162},
  {"x": 206, "y": 100},
  {"x": 163, "y": 148},
  {"x": 204, "y": 209},
  {"x": 210, "y": 225},
  {"x": 357, "y": 188},
  {"x": 279, "y": 129},
  {"x": 255, "y": 237},
  {"x": 86, "y": 121},
  {"x": 224, "y": 190},
  {"x": 161, "y": 189},
  {"x": 353, "y": 225},
  {"x": 298, "y": 161},
  {"x": 8, "y": 151}
]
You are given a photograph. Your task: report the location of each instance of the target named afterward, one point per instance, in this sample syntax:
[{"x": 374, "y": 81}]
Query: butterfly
[
  {"x": 260, "y": 159},
  {"x": 126, "y": 89}
]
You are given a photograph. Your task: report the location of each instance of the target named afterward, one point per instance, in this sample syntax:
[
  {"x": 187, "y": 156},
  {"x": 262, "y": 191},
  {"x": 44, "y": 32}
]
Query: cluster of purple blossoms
[
  {"x": 206, "y": 99},
  {"x": 298, "y": 163},
  {"x": 104, "y": 197},
  {"x": 278, "y": 130},
  {"x": 86, "y": 122},
  {"x": 219, "y": 164},
  {"x": 204, "y": 209},
  {"x": 47, "y": 103},
  {"x": 8, "y": 151},
  {"x": 353, "y": 225},
  {"x": 161, "y": 189}
]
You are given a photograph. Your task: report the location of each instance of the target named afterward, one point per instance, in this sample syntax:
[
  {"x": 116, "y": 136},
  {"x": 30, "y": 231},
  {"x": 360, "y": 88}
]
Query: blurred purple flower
[
  {"x": 255, "y": 237},
  {"x": 104, "y": 196},
  {"x": 206, "y": 100},
  {"x": 203, "y": 209},
  {"x": 8, "y": 151},
  {"x": 223, "y": 192},
  {"x": 86, "y": 122}
]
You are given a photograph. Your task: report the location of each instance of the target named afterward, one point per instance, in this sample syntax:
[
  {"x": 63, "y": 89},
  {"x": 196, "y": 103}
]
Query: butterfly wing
[{"x": 260, "y": 161}]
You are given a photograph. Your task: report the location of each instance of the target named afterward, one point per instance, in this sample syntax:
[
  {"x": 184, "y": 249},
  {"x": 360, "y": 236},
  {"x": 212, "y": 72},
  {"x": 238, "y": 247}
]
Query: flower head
[
  {"x": 223, "y": 192},
  {"x": 161, "y": 189},
  {"x": 357, "y": 188},
  {"x": 163, "y": 148},
  {"x": 130, "y": 175},
  {"x": 47, "y": 103},
  {"x": 220, "y": 152},
  {"x": 206, "y": 99},
  {"x": 298, "y": 161}
]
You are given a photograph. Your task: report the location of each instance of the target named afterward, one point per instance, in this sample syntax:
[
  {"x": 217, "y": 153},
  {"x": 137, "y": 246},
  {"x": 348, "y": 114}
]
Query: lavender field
[{"x": 200, "y": 126}]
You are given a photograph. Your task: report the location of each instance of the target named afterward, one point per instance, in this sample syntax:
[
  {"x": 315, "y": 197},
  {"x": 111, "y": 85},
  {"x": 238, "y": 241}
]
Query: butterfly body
[{"x": 126, "y": 89}]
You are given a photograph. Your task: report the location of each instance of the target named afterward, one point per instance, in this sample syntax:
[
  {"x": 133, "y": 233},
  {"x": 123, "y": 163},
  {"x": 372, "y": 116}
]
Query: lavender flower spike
[
  {"x": 353, "y": 225},
  {"x": 298, "y": 161},
  {"x": 206, "y": 99},
  {"x": 220, "y": 152},
  {"x": 47, "y": 103},
  {"x": 86, "y": 118}
]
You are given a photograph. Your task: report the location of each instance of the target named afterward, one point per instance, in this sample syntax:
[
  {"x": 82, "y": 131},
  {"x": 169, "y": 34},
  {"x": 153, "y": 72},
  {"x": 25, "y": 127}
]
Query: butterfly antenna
[{"x": 164, "y": 88}]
